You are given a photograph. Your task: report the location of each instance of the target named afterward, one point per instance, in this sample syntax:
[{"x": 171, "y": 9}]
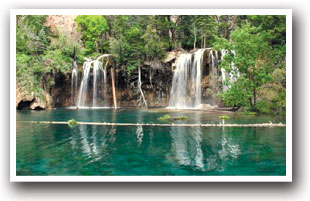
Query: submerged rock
[{"x": 206, "y": 107}]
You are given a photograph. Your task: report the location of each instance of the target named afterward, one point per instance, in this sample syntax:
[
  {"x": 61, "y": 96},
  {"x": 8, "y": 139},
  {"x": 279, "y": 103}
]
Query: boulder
[
  {"x": 205, "y": 107},
  {"x": 172, "y": 56}
]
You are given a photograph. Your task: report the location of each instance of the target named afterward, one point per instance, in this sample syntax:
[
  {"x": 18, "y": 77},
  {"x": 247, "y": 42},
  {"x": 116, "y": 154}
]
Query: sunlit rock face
[
  {"x": 63, "y": 23},
  {"x": 22, "y": 97},
  {"x": 41, "y": 103},
  {"x": 30, "y": 100}
]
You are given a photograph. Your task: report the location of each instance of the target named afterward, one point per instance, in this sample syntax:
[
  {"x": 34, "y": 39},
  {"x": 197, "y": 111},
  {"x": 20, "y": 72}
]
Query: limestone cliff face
[
  {"x": 63, "y": 23},
  {"x": 23, "y": 98},
  {"x": 29, "y": 100}
]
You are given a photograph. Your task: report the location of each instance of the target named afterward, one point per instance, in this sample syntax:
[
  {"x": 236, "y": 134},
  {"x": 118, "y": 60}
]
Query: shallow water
[{"x": 43, "y": 149}]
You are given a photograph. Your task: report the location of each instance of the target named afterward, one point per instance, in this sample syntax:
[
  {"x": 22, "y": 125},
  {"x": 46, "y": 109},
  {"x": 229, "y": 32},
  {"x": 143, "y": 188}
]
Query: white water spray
[
  {"x": 231, "y": 76},
  {"x": 98, "y": 70},
  {"x": 186, "y": 83},
  {"x": 74, "y": 82}
]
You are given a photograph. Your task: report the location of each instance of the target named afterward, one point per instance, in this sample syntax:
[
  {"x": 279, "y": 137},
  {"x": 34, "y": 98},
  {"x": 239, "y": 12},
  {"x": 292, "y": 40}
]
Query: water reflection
[
  {"x": 139, "y": 130},
  {"x": 84, "y": 141},
  {"x": 112, "y": 131},
  {"x": 92, "y": 140},
  {"x": 229, "y": 147},
  {"x": 229, "y": 151},
  {"x": 186, "y": 143}
]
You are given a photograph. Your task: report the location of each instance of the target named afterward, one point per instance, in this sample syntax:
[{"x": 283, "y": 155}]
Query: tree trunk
[
  {"x": 113, "y": 88},
  {"x": 174, "y": 40},
  {"x": 172, "y": 34},
  {"x": 140, "y": 89},
  {"x": 204, "y": 42},
  {"x": 195, "y": 35},
  {"x": 97, "y": 47}
]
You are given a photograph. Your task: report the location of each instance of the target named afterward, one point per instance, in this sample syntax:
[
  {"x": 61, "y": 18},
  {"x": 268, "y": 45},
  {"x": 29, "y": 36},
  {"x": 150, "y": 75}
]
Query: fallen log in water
[{"x": 163, "y": 125}]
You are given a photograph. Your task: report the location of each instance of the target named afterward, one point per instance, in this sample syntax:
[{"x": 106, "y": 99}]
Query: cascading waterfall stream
[
  {"x": 213, "y": 62},
  {"x": 84, "y": 85},
  {"x": 196, "y": 76},
  {"x": 98, "y": 70},
  {"x": 105, "y": 85},
  {"x": 186, "y": 83},
  {"x": 74, "y": 81},
  {"x": 232, "y": 76}
]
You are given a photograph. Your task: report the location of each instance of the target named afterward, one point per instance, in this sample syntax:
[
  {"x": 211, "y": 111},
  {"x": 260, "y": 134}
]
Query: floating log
[{"x": 162, "y": 125}]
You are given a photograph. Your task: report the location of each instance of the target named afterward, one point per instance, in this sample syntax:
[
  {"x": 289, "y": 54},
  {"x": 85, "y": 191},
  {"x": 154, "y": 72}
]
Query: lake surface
[{"x": 46, "y": 149}]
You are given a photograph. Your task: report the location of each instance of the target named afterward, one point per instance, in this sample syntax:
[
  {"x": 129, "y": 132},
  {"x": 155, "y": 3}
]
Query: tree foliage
[
  {"x": 41, "y": 53},
  {"x": 259, "y": 46},
  {"x": 93, "y": 29}
]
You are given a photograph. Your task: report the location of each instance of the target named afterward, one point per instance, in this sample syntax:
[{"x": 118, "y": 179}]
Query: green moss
[
  {"x": 224, "y": 117},
  {"x": 72, "y": 123},
  {"x": 167, "y": 117},
  {"x": 183, "y": 117},
  {"x": 250, "y": 113}
]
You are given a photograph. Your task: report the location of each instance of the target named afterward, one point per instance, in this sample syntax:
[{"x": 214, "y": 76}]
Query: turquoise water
[{"x": 44, "y": 149}]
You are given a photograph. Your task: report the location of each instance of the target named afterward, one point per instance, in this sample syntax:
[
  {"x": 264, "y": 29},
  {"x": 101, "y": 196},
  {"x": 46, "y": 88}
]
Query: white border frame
[{"x": 287, "y": 178}]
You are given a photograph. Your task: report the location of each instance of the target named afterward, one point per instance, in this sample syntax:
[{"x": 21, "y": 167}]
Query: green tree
[
  {"x": 259, "y": 57},
  {"x": 207, "y": 28},
  {"x": 154, "y": 47},
  {"x": 40, "y": 54},
  {"x": 93, "y": 29},
  {"x": 32, "y": 37}
]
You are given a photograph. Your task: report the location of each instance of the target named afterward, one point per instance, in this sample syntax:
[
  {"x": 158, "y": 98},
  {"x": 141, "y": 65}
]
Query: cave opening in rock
[{"x": 24, "y": 105}]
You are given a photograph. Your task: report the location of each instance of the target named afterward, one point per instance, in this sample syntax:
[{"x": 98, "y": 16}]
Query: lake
[{"x": 51, "y": 149}]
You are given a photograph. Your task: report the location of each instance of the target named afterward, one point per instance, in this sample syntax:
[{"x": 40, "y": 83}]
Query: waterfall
[
  {"x": 84, "y": 85},
  {"x": 196, "y": 76},
  {"x": 74, "y": 82},
  {"x": 186, "y": 83},
  {"x": 232, "y": 75},
  {"x": 224, "y": 86},
  {"x": 97, "y": 71},
  {"x": 105, "y": 85},
  {"x": 213, "y": 62}
]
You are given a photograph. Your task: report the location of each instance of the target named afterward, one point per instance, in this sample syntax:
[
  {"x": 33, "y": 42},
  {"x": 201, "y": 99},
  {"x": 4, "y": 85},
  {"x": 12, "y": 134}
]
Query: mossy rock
[
  {"x": 72, "y": 123},
  {"x": 224, "y": 117},
  {"x": 167, "y": 117}
]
